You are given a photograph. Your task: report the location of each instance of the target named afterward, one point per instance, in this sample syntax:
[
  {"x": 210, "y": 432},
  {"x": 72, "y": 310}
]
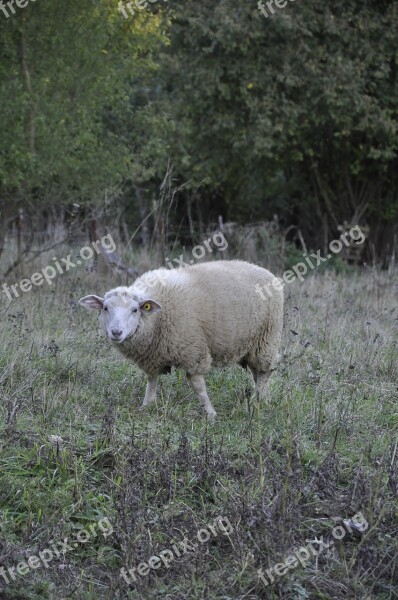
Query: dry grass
[{"x": 324, "y": 449}]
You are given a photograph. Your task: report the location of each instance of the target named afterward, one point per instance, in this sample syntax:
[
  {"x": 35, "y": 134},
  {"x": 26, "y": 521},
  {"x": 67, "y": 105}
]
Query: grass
[{"x": 285, "y": 473}]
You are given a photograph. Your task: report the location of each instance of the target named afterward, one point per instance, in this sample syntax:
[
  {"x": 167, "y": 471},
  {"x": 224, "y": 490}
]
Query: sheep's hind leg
[
  {"x": 150, "y": 392},
  {"x": 199, "y": 385}
]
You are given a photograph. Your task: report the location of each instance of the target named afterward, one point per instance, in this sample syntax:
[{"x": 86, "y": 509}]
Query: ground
[{"x": 77, "y": 454}]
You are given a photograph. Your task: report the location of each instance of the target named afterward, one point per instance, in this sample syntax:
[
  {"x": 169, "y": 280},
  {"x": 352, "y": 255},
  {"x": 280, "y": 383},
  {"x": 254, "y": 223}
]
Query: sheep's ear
[
  {"x": 92, "y": 302},
  {"x": 150, "y": 306}
]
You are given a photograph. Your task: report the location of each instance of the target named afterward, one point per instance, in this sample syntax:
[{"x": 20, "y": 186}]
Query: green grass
[{"x": 284, "y": 473}]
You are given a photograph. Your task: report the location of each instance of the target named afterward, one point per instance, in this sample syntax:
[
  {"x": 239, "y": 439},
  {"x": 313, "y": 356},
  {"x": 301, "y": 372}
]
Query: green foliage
[
  {"x": 294, "y": 113},
  {"x": 66, "y": 71}
]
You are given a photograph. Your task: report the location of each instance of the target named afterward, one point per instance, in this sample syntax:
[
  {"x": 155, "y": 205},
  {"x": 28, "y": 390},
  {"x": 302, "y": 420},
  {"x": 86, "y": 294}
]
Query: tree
[
  {"x": 66, "y": 74},
  {"x": 294, "y": 114}
]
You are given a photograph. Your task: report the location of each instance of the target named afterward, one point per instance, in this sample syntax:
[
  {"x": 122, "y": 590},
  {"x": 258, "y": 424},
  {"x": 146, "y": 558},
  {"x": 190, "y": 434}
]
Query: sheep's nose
[{"x": 116, "y": 333}]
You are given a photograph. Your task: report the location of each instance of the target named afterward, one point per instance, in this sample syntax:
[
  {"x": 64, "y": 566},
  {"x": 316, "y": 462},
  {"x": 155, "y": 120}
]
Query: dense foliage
[{"x": 294, "y": 114}]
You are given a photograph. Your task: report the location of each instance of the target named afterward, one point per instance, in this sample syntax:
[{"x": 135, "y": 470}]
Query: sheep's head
[{"x": 121, "y": 312}]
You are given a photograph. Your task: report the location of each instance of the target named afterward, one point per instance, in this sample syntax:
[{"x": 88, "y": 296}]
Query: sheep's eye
[{"x": 147, "y": 306}]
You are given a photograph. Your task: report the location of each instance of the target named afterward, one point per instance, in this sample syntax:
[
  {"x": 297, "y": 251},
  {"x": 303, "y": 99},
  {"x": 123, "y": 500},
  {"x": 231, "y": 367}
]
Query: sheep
[{"x": 195, "y": 318}]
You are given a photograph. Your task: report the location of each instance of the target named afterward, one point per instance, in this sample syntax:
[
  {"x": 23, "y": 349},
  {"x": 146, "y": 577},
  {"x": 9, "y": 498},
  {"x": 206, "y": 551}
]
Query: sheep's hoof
[{"x": 212, "y": 417}]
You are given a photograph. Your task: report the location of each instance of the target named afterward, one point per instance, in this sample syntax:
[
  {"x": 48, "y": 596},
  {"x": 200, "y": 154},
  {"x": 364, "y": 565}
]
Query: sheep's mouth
[{"x": 117, "y": 340}]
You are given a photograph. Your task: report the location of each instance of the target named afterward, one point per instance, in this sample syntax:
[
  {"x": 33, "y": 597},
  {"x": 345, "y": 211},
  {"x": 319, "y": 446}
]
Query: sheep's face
[{"x": 121, "y": 313}]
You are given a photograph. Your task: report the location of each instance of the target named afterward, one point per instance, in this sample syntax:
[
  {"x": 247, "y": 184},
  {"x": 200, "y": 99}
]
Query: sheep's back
[{"x": 217, "y": 303}]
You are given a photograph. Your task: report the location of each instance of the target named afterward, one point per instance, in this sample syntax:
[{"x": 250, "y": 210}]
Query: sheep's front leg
[
  {"x": 262, "y": 384},
  {"x": 199, "y": 385},
  {"x": 150, "y": 392}
]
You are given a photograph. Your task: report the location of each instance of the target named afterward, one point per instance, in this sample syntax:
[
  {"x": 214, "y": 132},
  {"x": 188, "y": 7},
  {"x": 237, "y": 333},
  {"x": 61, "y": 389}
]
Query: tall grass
[{"x": 75, "y": 448}]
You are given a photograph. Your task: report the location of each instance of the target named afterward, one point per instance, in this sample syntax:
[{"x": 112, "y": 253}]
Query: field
[{"x": 77, "y": 454}]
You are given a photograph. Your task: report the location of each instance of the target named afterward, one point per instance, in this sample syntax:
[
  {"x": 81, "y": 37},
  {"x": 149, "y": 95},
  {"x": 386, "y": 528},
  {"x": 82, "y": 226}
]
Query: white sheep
[{"x": 195, "y": 318}]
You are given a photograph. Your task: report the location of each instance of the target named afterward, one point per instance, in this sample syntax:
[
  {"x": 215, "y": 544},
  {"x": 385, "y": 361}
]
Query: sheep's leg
[
  {"x": 199, "y": 385},
  {"x": 262, "y": 384},
  {"x": 150, "y": 392}
]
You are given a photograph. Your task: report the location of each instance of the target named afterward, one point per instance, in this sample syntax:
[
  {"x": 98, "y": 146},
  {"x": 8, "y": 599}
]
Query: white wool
[{"x": 211, "y": 315}]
